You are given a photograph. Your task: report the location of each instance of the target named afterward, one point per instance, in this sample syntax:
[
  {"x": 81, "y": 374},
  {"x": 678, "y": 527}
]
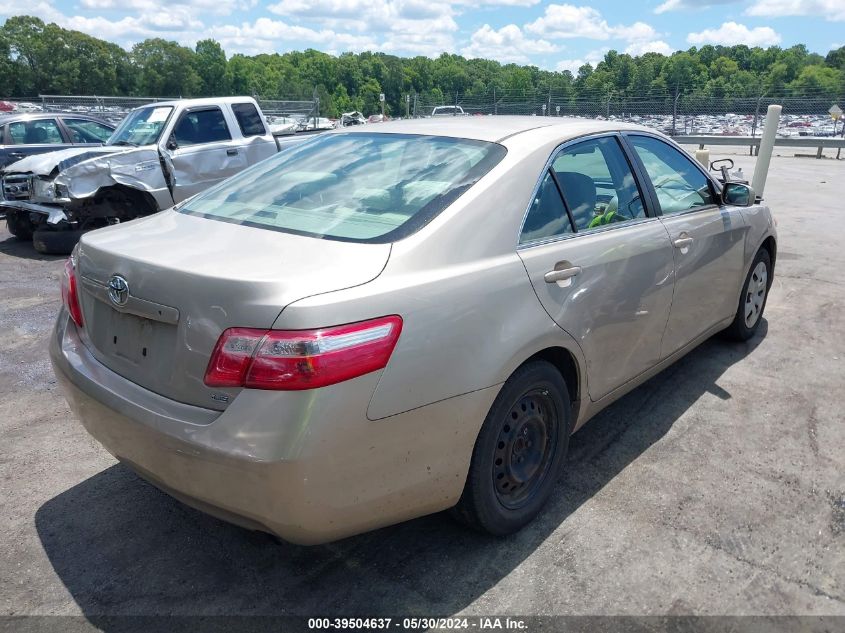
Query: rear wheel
[
  {"x": 752, "y": 302},
  {"x": 519, "y": 452},
  {"x": 19, "y": 225}
]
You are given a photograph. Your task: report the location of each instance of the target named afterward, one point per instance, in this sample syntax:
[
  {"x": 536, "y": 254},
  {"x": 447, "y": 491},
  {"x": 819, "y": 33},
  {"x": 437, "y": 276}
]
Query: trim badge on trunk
[{"x": 118, "y": 290}]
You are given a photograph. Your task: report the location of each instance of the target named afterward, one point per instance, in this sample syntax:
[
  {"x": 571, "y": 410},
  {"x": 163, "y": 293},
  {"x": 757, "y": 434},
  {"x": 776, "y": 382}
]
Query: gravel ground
[{"x": 718, "y": 487}]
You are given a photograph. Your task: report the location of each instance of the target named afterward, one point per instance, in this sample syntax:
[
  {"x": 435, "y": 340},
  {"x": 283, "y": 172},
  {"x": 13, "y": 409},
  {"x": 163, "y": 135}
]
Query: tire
[
  {"x": 519, "y": 453},
  {"x": 752, "y": 301},
  {"x": 56, "y": 242},
  {"x": 19, "y": 226}
]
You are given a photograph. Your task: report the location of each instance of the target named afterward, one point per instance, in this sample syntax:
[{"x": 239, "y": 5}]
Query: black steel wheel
[
  {"x": 524, "y": 448},
  {"x": 519, "y": 453}
]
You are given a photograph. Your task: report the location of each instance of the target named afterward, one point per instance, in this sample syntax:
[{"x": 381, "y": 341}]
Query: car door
[
  {"x": 33, "y": 136},
  {"x": 201, "y": 151},
  {"x": 599, "y": 262},
  {"x": 708, "y": 239}
]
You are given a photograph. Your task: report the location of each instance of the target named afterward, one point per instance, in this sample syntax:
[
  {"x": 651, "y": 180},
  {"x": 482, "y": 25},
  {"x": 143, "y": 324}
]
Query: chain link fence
[
  {"x": 688, "y": 113},
  {"x": 685, "y": 114}
]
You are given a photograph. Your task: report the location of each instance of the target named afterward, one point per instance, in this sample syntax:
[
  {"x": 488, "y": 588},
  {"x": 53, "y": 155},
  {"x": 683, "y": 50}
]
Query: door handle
[
  {"x": 231, "y": 152},
  {"x": 682, "y": 242},
  {"x": 553, "y": 276}
]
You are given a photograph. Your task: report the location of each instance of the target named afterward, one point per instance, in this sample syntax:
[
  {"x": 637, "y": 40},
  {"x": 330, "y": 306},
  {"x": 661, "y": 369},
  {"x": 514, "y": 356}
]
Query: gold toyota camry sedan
[{"x": 379, "y": 324}]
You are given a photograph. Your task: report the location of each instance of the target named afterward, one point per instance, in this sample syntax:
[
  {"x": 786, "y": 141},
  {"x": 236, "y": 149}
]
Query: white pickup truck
[{"x": 160, "y": 154}]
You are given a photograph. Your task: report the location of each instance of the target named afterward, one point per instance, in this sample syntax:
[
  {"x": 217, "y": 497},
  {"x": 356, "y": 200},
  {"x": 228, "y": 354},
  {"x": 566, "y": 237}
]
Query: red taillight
[
  {"x": 70, "y": 293},
  {"x": 301, "y": 359}
]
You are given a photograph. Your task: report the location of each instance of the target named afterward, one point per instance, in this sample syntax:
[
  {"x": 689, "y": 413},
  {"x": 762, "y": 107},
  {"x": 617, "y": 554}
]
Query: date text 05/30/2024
[{"x": 413, "y": 624}]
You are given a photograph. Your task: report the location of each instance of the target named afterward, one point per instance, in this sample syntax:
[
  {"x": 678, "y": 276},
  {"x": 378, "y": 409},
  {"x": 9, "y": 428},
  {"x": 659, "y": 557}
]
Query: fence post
[
  {"x": 495, "y": 102},
  {"x": 756, "y": 116},
  {"x": 675, "y": 112}
]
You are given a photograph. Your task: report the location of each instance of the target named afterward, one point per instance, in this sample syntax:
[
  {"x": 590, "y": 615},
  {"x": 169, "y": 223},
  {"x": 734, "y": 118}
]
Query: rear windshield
[{"x": 355, "y": 187}]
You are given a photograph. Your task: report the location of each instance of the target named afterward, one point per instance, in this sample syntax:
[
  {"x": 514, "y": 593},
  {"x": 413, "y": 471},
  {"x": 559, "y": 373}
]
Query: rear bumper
[{"x": 303, "y": 467}]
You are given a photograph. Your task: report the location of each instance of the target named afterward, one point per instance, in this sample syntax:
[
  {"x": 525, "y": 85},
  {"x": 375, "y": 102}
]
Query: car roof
[
  {"x": 493, "y": 128},
  {"x": 190, "y": 103},
  {"x": 35, "y": 116}
]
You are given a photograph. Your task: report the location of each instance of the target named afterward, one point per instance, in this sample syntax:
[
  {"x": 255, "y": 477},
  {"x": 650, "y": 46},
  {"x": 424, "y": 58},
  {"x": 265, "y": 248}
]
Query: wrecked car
[{"x": 160, "y": 155}]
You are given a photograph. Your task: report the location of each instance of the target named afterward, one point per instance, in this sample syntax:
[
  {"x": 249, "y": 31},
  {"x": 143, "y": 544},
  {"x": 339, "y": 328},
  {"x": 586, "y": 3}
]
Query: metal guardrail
[{"x": 753, "y": 142}]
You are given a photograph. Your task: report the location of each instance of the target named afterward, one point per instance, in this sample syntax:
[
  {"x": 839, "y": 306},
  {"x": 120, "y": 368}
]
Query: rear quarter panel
[{"x": 471, "y": 316}]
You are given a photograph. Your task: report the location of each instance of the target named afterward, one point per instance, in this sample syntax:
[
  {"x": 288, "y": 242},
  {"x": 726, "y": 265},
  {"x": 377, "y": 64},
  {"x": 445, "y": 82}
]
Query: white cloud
[
  {"x": 370, "y": 15},
  {"x": 677, "y": 5},
  {"x": 732, "y": 33},
  {"x": 175, "y": 22},
  {"x": 407, "y": 27},
  {"x": 831, "y": 10},
  {"x": 507, "y": 44},
  {"x": 195, "y": 7},
  {"x": 649, "y": 46},
  {"x": 420, "y": 37},
  {"x": 570, "y": 21},
  {"x": 266, "y": 36},
  {"x": 572, "y": 65}
]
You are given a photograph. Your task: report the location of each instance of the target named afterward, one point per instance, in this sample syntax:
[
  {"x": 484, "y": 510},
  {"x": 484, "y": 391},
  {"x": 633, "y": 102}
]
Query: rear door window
[
  {"x": 37, "y": 132},
  {"x": 248, "y": 119},
  {"x": 547, "y": 216},
  {"x": 202, "y": 126},
  {"x": 85, "y": 131}
]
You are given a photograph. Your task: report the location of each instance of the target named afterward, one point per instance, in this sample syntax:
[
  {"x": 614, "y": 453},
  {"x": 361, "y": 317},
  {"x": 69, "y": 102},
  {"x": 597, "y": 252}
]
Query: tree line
[{"x": 38, "y": 58}]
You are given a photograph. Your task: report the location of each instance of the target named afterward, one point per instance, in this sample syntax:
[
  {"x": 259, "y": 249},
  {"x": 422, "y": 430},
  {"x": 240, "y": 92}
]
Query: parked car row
[{"x": 388, "y": 320}]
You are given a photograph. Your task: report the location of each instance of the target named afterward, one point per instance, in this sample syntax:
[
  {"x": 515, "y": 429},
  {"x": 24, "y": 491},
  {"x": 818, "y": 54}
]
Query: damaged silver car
[{"x": 161, "y": 154}]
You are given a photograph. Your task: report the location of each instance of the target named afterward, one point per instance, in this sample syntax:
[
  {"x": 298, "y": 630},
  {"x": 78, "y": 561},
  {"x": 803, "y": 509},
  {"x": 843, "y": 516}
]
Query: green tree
[
  {"x": 210, "y": 65},
  {"x": 165, "y": 69}
]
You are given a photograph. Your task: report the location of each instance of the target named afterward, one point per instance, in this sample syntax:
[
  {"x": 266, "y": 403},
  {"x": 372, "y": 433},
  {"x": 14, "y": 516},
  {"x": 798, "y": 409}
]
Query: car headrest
[
  {"x": 579, "y": 191},
  {"x": 35, "y": 134}
]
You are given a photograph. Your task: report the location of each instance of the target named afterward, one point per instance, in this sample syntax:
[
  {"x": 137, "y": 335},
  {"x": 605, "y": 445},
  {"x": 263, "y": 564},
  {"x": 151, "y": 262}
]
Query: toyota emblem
[{"x": 118, "y": 290}]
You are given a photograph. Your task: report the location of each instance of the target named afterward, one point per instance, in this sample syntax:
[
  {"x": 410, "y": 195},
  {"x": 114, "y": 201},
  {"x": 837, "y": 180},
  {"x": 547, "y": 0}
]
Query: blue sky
[{"x": 549, "y": 34}]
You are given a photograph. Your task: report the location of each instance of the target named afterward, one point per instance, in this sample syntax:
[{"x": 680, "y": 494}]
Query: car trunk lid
[{"x": 187, "y": 279}]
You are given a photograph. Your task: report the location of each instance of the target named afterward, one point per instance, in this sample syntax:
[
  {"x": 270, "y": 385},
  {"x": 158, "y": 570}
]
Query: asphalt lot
[{"x": 718, "y": 487}]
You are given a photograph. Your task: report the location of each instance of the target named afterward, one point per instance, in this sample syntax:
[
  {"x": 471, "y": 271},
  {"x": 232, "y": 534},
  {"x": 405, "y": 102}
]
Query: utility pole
[
  {"x": 495, "y": 103},
  {"x": 408, "y": 106}
]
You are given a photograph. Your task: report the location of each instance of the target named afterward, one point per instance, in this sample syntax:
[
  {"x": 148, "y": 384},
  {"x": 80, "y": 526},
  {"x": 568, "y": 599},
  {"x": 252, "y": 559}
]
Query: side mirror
[
  {"x": 172, "y": 144},
  {"x": 738, "y": 194}
]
